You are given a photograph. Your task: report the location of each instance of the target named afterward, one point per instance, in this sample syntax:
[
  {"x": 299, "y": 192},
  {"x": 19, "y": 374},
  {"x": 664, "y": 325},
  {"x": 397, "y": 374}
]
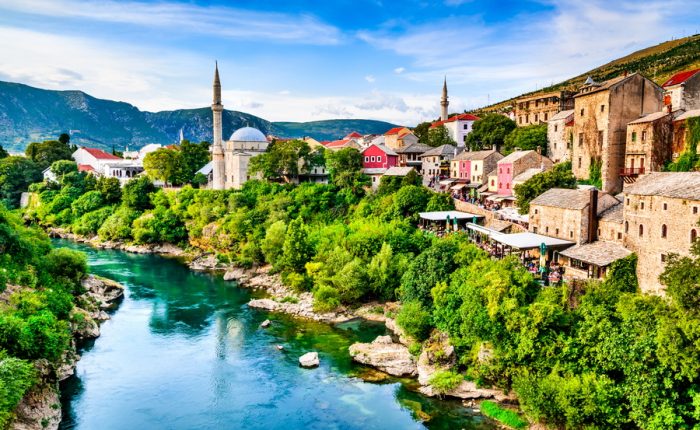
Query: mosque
[{"x": 230, "y": 158}]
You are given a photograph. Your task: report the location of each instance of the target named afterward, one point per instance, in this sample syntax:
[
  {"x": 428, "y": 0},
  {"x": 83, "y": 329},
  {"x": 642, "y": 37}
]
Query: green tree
[
  {"x": 490, "y": 132},
  {"x": 110, "y": 189},
  {"x": 48, "y": 151},
  {"x": 284, "y": 160},
  {"x": 194, "y": 157},
  {"x": 165, "y": 164},
  {"x": 3, "y": 153},
  {"x": 438, "y": 136},
  {"x": 16, "y": 174},
  {"x": 432, "y": 266},
  {"x": 297, "y": 250},
  {"x": 526, "y": 138},
  {"x": 136, "y": 193},
  {"x": 61, "y": 168},
  {"x": 273, "y": 243},
  {"x": 560, "y": 176},
  {"x": 421, "y": 131},
  {"x": 682, "y": 279},
  {"x": 345, "y": 169}
]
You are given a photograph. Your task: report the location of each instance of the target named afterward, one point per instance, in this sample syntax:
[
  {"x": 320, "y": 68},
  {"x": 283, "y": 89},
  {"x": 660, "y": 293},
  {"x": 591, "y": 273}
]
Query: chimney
[{"x": 593, "y": 216}]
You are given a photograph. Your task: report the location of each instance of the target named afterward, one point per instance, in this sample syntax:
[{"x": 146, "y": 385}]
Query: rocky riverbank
[{"x": 40, "y": 409}]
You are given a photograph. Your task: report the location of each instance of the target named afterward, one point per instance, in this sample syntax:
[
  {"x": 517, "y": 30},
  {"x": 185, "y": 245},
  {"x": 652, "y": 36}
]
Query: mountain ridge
[{"x": 29, "y": 114}]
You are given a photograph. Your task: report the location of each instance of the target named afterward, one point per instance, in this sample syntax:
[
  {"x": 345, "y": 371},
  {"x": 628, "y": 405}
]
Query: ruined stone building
[
  {"x": 560, "y": 136},
  {"x": 540, "y": 108},
  {"x": 661, "y": 213},
  {"x": 601, "y": 114},
  {"x": 648, "y": 145}
]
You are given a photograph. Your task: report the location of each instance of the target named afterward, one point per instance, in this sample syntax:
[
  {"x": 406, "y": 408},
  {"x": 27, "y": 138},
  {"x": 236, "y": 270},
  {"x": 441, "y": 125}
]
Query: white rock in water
[
  {"x": 266, "y": 324},
  {"x": 229, "y": 276},
  {"x": 310, "y": 359}
]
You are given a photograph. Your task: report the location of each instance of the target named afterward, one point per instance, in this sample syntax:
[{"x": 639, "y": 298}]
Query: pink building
[
  {"x": 516, "y": 163},
  {"x": 379, "y": 157}
]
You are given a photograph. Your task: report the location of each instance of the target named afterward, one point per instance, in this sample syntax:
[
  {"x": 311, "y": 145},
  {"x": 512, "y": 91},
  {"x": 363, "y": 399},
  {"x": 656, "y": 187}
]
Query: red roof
[
  {"x": 100, "y": 154},
  {"x": 85, "y": 168},
  {"x": 460, "y": 117},
  {"x": 353, "y": 135},
  {"x": 337, "y": 143},
  {"x": 394, "y": 130},
  {"x": 681, "y": 77}
]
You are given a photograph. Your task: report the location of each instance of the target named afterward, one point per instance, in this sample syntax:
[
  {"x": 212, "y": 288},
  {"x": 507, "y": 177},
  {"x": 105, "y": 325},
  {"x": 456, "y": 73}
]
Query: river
[{"x": 184, "y": 351}]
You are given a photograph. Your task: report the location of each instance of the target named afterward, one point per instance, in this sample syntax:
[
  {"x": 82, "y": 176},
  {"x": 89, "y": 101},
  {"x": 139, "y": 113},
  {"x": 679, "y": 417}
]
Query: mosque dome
[{"x": 248, "y": 134}]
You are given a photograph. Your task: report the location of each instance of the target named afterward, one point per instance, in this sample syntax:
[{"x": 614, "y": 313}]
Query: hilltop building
[
  {"x": 682, "y": 90},
  {"x": 376, "y": 160},
  {"x": 601, "y": 114},
  {"x": 399, "y": 138},
  {"x": 540, "y": 108},
  {"x": 101, "y": 163},
  {"x": 230, "y": 159}
]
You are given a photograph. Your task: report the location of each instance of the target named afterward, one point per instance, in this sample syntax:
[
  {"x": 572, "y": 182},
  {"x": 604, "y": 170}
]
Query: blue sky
[{"x": 309, "y": 60}]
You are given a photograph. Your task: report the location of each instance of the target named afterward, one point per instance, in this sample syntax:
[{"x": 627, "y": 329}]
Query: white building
[
  {"x": 105, "y": 164},
  {"x": 458, "y": 127},
  {"x": 559, "y": 136}
]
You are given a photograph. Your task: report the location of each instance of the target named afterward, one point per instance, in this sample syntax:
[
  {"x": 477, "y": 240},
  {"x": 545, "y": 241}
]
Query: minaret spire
[
  {"x": 217, "y": 153},
  {"x": 444, "y": 103}
]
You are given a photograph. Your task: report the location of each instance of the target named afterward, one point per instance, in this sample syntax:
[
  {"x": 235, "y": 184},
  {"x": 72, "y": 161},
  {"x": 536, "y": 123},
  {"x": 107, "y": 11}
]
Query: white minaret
[
  {"x": 444, "y": 103},
  {"x": 217, "y": 153}
]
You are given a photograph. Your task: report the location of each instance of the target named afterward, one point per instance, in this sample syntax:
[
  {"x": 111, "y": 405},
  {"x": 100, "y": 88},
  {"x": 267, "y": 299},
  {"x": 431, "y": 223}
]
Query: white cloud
[
  {"x": 227, "y": 22},
  {"x": 371, "y": 79},
  {"x": 399, "y": 70}
]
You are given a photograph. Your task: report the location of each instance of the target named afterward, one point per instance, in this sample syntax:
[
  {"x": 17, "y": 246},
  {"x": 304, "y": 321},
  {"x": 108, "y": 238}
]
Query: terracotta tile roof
[
  {"x": 353, "y": 135},
  {"x": 679, "y": 78},
  {"x": 394, "y": 130},
  {"x": 385, "y": 149},
  {"x": 677, "y": 185},
  {"x": 478, "y": 155},
  {"x": 598, "y": 253},
  {"x": 460, "y": 117},
  {"x": 100, "y": 154},
  {"x": 337, "y": 143},
  {"x": 85, "y": 168}
]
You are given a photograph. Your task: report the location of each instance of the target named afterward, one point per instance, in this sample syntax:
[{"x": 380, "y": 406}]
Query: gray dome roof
[{"x": 248, "y": 134}]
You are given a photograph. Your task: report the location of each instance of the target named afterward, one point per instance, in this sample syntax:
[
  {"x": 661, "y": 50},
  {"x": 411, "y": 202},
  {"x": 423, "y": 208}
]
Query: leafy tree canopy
[
  {"x": 560, "y": 176},
  {"x": 16, "y": 174},
  {"x": 527, "y": 138},
  {"x": 48, "y": 151},
  {"x": 490, "y": 131},
  {"x": 439, "y": 136}
]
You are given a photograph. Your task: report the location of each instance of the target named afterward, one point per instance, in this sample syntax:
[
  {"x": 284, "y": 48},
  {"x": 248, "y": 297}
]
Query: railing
[{"x": 632, "y": 171}]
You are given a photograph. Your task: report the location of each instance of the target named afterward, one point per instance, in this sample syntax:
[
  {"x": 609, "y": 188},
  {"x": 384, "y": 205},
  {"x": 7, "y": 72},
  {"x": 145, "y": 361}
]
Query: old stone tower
[
  {"x": 444, "y": 103},
  {"x": 217, "y": 155}
]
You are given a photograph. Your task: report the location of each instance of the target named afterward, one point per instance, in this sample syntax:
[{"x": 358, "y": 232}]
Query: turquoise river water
[{"x": 184, "y": 351}]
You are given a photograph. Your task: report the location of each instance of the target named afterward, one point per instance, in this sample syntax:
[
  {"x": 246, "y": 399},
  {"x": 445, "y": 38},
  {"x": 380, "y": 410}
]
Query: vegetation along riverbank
[{"x": 585, "y": 355}]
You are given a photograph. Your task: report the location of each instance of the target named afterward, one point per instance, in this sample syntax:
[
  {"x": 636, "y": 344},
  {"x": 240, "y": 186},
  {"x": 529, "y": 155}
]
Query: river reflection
[{"x": 184, "y": 351}]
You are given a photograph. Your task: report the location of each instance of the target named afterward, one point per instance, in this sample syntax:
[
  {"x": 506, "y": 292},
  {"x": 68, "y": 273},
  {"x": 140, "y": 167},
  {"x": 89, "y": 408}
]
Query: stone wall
[
  {"x": 488, "y": 215},
  {"x": 652, "y": 213},
  {"x": 566, "y": 224}
]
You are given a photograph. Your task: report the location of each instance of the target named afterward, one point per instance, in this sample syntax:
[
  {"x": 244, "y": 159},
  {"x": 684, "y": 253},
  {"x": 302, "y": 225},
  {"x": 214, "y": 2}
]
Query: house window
[
  {"x": 534, "y": 230},
  {"x": 602, "y": 108},
  {"x": 581, "y": 112},
  {"x": 634, "y": 136},
  {"x": 693, "y": 235},
  {"x": 545, "y": 116},
  {"x": 619, "y": 236},
  {"x": 379, "y": 158},
  {"x": 508, "y": 186},
  {"x": 579, "y": 162},
  {"x": 663, "y": 231},
  {"x": 500, "y": 170},
  {"x": 627, "y": 226},
  {"x": 695, "y": 210},
  {"x": 492, "y": 182},
  {"x": 546, "y": 229},
  {"x": 580, "y": 139},
  {"x": 536, "y": 211},
  {"x": 556, "y": 231},
  {"x": 466, "y": 126},
  {"x": 366, "y": 159},
  {"x": 537, "y": 117},
  {"x": 641, "y": 205},
  {"x": 600, "y": 138},
  {"x": 644, "y": 136},
  {"x": 374, "y": 179},
  {"x": 665, "y": 206},
  {"x": 556, "y": 128},
  {"x": 641, "y": 230},
  {"x": 508, "y": 171},
  {"x": 476, "y": 167},
  {"x": 571, "y": 233}
]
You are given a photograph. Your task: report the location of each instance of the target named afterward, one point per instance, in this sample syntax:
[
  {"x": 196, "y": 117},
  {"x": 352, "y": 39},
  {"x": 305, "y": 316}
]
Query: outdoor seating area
[{"x": 441, "y": 222}]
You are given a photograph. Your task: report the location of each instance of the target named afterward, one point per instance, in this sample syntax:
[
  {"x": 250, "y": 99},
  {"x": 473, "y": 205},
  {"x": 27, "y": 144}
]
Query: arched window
[
  {"x": 641, "y": 230},
  {"x": 627, "y": 226},
  {"x": 663, "y": 230},
  {"x": 693, "y": 235}
]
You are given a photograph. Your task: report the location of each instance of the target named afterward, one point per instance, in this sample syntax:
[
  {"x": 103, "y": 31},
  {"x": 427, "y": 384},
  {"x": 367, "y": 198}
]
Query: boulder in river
[
  {"x": 266, "y": 324},
  {"x": 310, "y": 359},
  {"x": 386, "y": 355}
]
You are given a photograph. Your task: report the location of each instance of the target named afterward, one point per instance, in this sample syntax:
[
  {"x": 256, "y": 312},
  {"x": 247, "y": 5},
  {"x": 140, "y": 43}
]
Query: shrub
[
  {"x": 90, "y": 223},
  {"x": 66, "y": 264},
  {"x": 445, "y": 381},
  {"x": 136, "y": 193},
  {"x": 16, "y": 378},
  {"x": 88, "y": 202},
  {"x": 326, "y": 298},
  {"x": 289, "y": 299},
  {"x": 504, "y": 416},
  {"x": 118, "y": 225},
  {"x": 414, "y": 320}
]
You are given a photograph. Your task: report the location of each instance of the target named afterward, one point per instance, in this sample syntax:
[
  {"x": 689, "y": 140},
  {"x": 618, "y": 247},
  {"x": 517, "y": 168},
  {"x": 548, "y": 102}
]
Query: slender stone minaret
[
  {"x": 444, "y": 102},
  {"x": 217, "y": 153}
]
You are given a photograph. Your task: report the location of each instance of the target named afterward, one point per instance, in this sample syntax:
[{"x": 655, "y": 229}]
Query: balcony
[{"x": 632, "y": 171}]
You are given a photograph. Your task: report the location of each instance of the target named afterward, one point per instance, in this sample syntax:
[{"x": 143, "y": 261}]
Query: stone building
[
  {"x": 682, "y": 90},
  {"x": 661, "y": 213},
  {"x": 601, "y": 114},
  {"x": 569, "y": 214},
  {"x": 458, "y": 127},
  {"x": 648, "y": 145},
  {"x": 516, "y": 163},
  {"x": 680, "y": 132},
  {"x": 560, "y": 136},
  {"x": 540, "y": 108},
  {"x": 611, "y": 224},
  {"x": 230, "y": 159},
  {"x": 399, "y": 137},
  {"x": 409, "y": 156},
  {"x": 436, "y": 162}
]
